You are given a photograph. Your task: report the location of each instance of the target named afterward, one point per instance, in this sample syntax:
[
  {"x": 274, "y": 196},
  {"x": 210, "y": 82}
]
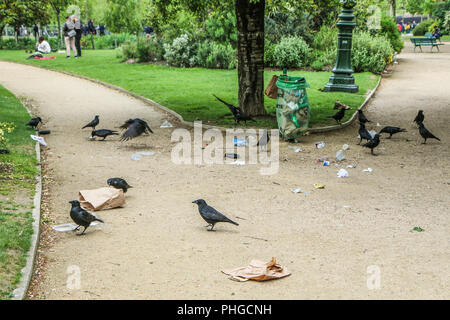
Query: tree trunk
[
  {"x": 394, "y": 9},
  {"x": 115, "y": 41},
  {"x": 59, "y": 29},
  {"x": 250, "y": 45}
]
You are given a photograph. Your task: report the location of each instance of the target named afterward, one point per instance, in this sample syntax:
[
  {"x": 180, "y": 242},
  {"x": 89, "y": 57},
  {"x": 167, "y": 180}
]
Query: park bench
[{"x": 419, "y": 42}]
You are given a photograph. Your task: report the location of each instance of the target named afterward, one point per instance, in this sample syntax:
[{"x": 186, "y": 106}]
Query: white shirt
[{"x": 44, "y": 47}]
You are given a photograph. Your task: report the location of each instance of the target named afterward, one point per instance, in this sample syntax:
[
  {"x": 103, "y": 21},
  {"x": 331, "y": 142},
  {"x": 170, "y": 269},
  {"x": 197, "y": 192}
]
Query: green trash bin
[{"x": 292, "y": 107}]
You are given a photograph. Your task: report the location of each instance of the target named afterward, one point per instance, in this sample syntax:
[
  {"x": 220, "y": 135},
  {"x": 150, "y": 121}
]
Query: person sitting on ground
[
  {"x": 437, "y": 33},
  {"x": 43, "y": 46}
]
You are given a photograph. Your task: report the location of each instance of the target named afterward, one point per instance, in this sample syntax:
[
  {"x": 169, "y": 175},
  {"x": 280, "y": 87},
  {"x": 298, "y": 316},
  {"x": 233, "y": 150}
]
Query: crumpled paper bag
[
  {"x": 258, "y": 271},
  {"x": 101, "y": 199}
]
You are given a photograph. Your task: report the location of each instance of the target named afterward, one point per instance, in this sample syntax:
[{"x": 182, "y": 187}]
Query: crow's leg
[
  {"x": 103, "y": 139},
  {"x": 80, "y": 234},
  {"x": 76, "y": 229},
  {"x": 425, "y": 142},
  {"x": 212, "y": 227},
  {"x": 390, "y": 136},
  {"x": 360, "y": 139},
  {"x": 209, "y": 224}
]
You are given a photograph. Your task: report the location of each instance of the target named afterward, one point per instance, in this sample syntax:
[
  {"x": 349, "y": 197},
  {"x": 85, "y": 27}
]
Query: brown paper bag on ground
[
  {"x": 101, "y": 199},
  {"x": 258, "y": 271},
  {"x": 272, "y": 89}
]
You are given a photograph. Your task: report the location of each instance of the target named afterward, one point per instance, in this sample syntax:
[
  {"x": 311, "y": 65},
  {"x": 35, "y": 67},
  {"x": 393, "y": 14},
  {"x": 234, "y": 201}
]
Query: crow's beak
[{"x": 195, "y": 201}]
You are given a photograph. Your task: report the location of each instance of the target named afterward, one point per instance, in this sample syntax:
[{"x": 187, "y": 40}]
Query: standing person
[
  {"x": 102, "y": 29},
  {"x": 399, "y": 28},
  {"x": 91, "y": 27},
  {"x": 77, "y": 23},
  {"x": 36, "y": 32},
  {"x": 69, "y": 37}
]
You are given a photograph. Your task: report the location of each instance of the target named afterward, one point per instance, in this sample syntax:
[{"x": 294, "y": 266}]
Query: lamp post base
[{"x": 342, "y": 83}]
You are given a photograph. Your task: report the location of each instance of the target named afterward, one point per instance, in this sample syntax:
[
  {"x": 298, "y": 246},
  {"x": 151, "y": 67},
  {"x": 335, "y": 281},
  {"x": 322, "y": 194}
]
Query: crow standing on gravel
[
  {"x": 93, "y": 123},
  {"x": 363, "y": 133},
  {"x": 426, "y": 134},
  {"x": 373, "y": 143},
  {"x": 361, "y": 117},
  {"x": 34, "y": 122},
  {"x": 135, "y": 127},
  {"x": 103, "y": 133},
  {"x": 118, "y": 183},
  {"x": 392, "y": 130},
  {"x": 81, "y": 217},
  {"x": 211, "y": 215},
  {"x": 420, "y": 117},
  {"x": 237, "y": 112},
  {"x": 339, "y": 115}
]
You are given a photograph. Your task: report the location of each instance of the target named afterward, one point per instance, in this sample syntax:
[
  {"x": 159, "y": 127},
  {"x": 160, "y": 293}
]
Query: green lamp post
[{"x": 342, "y": 78}]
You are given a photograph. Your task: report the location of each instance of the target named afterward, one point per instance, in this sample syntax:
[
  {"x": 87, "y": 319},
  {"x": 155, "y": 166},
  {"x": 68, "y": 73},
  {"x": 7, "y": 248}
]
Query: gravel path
[{"x": 156, "y": 247}]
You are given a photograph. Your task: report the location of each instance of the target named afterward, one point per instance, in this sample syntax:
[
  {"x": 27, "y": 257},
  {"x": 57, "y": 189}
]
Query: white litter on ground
[
  {"x": 39, "y": 139},
  {"x": 368, "y": 170},
  {"x": 296, "y": 149},
  {"x": 240, "y": 142},
  {"x": 340, "y": 155},
  {"x": 296, "y": 190},
  {"x": 166, "y": 124},
  {"x": 70, "y": 226},
  {"x": 351, "y": 166},
  {"x": 320, "y": 145},
  {"x": 137, "y": 155},
  {"x": 238, "y": 163},
  {"x": 343, "y": 173},
  {"x": 345, "y": 147}
]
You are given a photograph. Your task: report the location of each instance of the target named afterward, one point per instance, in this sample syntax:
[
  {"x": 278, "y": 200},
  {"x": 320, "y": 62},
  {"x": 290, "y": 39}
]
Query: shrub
[
  {"x": 446, "y": 23},
  {"x": 22, "y": 43},
  {"x": 422, "y": 27},
  {"x": 291, "y": 52},
  {"x": 221, "y": 27},
  {"x": 370, "y": 53},
  {"x": 322, "y": 59},
  {"x": 107, "y": 42},
  {"x": 149, "y": 50},
  {"x": 390, "y": 31},
  {"x": 325, "y": 39},
  {"x": 269, "y": 53},
  {"x": 129, "y": 51},
  {"x": 216, "y": 55},
  {"x": 181, "y": 53}
]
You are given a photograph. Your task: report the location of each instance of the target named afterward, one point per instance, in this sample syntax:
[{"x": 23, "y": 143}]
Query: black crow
[
  {"x": 93, "y": 123},
  {"x": 81, "y": 217},
  {"x": 420, "y": 117},
  {"x": 373, "y": 143},
  {"x": 238, "y": 113},
  {"x": 361, "y": 117},
  {"x": 426, "y": 134},
  {"x": 34, "y": 122},
  {"x": 339, "y": 115},
  {"x": 118, "y": 183},
  {"x": 392, "y": 130},
  {"x": 103, "y": 133},
  {"x": 363, "y": 133},
  {"x": 135, "y": 127},
  {"x": 211, "y": 215}
]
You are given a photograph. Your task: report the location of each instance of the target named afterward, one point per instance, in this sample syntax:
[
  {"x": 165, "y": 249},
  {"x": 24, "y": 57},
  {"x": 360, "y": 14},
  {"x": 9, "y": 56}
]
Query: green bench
[{"x": 419, "y": 42}]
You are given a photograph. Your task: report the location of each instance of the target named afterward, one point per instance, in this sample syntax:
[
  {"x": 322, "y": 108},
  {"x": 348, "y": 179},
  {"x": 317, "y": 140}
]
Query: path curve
[{"x": 156, "y": 247}]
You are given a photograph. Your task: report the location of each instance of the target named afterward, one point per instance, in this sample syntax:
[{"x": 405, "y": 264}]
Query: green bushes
[
  {"x": 291, "y": 52},
  {"x": 128, "y": 51},
  {"x": 390, "y": 31},
  {"x": 216, "y": 55},
  {"x": 423, "y": 27},
  {"x": 181, "y": 53},
  {"x": 22, "y": 44},
  {"x": 149, "y": 50},
  {"x": 370, "y": 53}
]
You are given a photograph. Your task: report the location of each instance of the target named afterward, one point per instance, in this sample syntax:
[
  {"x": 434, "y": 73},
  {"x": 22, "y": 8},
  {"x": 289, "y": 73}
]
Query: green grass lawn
[
  {"x": 189, "y": 91},
  {"x": 17, "y": 172}
]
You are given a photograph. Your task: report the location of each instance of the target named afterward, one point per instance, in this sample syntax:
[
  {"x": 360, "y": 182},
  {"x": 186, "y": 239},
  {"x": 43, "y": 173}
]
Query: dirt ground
[{"x": 156, "y": 247}]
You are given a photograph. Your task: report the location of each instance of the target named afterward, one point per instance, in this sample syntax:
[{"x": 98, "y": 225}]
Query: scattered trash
[
  {"x": 319, "y": 186},
  {"x": 320, "y": 145},
  {"x": 326, "y": 163},
  {"x": 258, "y": 271},
  {"x": 101, "y": 199},
  {"x": 296, "y": 149},
  {"x": 39, "y": 139},
  {"x": 372, "y": 133},
  {"x": 343, "y": 173},
  {"x": 232, "y": 155},
  {"x": 346, "y": 207},
  {"x": 368, "y": 170},
  {"x": 137, "y": 155},
  {"x": 378, "y": 125},
  {"x": 70, "y": 226},
  {"x": 166, "y": 124},
  {"x": 418, "y": 229},
  {"x": 322, "y": 159},
  {"x": 276, "y": 183},
  {"x": 296, "y": 190},
  {"x": 345, "y": 147},
  {"x": 340, "y": 155},
  {"x": 238, "y": 163},
  {"x": 351, "y": 166},
  {"x": 240, "y": 142}
]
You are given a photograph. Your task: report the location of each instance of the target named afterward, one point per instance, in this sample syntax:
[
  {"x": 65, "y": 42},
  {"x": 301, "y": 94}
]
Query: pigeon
[
  {"x": 93, "y": 123},
  {"x": 373, "y": 143},
  {"x": 392, "y": 130},
  {"x": 211, "y": 215},
  {"x": 103, "y": 133},
  {"x": 265, "y": 138},
  {"x": 339, "y": 115},
  {"x": 34, "y": 122},
  {"x": 118, "y": 183},
  {"x": 363, "y": 133},
  {"x": 135, "y": 127},
  {"x": 361, "y": 117},
  {"x": 426, "y": 134},
  {"x": 237, "y": 112},
  {"x": 81, "y": 217},
  {"x": 420, "y": 117}
]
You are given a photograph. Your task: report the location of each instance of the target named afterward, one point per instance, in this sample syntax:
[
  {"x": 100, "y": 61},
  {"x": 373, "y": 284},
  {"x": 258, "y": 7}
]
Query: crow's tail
[
  {"x": 98, "y": 219},
  {"x": 231, "y": 221}
]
